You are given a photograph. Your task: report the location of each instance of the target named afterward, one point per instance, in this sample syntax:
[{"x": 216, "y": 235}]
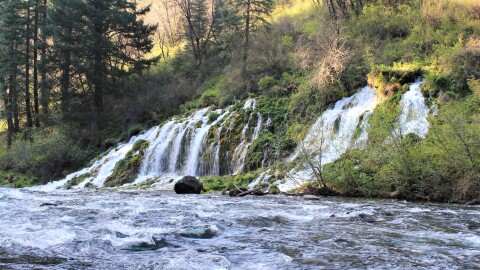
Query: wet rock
[
  {"x": 365, "y": 218},
  {"x": 235, "y": 192},
  {"x": 256, "y": 192},
  {"x": 49, "y": 204},
  {"x": 188, "y": 185},
  {"x": 201, "y": 232},
  {"x": 475, "y": 202},
  {"x": 311, "y": 197}
]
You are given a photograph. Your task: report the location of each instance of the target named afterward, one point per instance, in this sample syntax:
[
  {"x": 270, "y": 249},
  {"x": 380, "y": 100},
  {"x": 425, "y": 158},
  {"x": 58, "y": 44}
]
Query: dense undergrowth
[{"x": 298, "y": 66}]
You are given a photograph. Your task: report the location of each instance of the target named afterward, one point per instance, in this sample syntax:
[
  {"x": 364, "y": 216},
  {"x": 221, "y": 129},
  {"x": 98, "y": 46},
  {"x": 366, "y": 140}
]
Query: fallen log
[{"x": 255, "y": 191}]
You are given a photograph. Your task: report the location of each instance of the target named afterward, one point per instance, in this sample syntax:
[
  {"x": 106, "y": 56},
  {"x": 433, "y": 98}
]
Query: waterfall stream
[
  {"x": 346, "y": 125},
  {"x": 196, "y": 145}
]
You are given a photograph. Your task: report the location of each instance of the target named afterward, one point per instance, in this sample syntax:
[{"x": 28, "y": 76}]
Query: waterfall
[
  {"x": 413, "y": 118},
  {"x": 217, "y": 142},
  {"x": 179, "y": 147},
  {"x": 100, "y": 169},
  {"x": 334, "y": 131},
  {"x": 346, "y": 125}
]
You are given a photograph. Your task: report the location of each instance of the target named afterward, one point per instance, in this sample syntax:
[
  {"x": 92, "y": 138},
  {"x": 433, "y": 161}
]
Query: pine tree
[
  {"x": 44, "y": 94},
  {"x": 36, "y": 104},
  {"x": 198, "y": 26},
  {"x": 251, "y": 14},
  {"x": 11, "y": 60}
]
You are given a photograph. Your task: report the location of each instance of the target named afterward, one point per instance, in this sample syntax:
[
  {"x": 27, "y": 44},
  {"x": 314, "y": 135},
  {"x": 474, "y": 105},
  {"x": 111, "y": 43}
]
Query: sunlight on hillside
[{"x": 294, "y": 8}]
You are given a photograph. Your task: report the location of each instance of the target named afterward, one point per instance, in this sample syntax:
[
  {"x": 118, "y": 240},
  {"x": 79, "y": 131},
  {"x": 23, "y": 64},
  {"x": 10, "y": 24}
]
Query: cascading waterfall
[
  {"x": 180, "y": 147},
  {"x": 414, "y": 112},
  {"x": 346, "y": 125},
  {"x": 216, "y": 142},
  {"x": 100, "y": 169},
  {"x": 334, "y": 131}
]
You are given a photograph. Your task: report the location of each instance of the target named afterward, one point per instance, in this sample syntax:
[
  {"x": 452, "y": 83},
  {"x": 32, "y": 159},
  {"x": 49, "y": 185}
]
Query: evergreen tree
[
  {"x": 251, "y": 15},
  {"x": 115, "y": 41},
  {"x": 198, "y": 25},
  {"x": 101, "y": 42},
  {"x": 11, "y": 60}
]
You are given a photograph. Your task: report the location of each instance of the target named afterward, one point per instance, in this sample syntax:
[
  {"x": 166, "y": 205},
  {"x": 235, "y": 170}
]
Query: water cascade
[
  {"x": 191, "y": 145},
  {"x": 346, "y": 125},
  {"x": 216, "y": 142}
]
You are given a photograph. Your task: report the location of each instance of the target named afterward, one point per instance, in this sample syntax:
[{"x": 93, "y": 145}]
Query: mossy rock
[
  {"x": 126, "y": 170},
  {"x": 76, "y": 180}
]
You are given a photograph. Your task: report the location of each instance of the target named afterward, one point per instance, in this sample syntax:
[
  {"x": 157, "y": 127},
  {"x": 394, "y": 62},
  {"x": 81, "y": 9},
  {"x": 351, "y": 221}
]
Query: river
[{"x": 162, "y": 230}]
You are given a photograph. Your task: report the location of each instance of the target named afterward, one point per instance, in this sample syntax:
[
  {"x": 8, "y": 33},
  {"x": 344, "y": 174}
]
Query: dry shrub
[
  {"x": 327, "y": 53},
  {"x": 455, "y": 10},
  {"x": 467, "y": 188}
]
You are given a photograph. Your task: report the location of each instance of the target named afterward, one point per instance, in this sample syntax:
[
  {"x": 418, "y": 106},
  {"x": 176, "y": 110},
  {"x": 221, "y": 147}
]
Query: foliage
[
  {"x": 126, "y": 170},
  {"x": 52, "y": 155},
  {"x": 228, "y": 182},
  {"x": 442, "y": 167}
]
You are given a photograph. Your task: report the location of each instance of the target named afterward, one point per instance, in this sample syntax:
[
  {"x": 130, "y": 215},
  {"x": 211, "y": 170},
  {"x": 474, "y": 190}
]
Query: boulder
[{"x": 188, "y": 185}]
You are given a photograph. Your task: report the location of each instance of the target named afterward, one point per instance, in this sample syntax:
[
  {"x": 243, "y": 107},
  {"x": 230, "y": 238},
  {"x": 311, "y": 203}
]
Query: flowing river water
[{"x": 72, "y": 229}]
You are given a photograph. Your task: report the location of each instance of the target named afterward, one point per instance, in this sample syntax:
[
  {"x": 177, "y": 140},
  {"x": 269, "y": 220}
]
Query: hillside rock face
[{"x": 188, "y": 185}]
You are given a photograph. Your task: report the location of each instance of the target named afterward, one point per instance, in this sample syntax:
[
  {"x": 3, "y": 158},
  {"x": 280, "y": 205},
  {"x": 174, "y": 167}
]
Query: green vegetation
[
  {"x": 228, "y": 182},
  {"x": 126, "y": 170},
  {"x": 76, "y": 180},
  {"x": 295, "y": 57}
]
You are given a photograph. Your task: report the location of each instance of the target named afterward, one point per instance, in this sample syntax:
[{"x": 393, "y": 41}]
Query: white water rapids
[{"x": 147, "y": 230}]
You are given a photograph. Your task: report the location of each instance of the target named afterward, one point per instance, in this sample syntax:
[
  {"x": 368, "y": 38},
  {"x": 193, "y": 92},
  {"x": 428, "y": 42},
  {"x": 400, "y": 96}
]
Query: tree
[
  {"x": 115, "y": 41},
  {"x": 99, "y": 43},
  {"x": 35, "y": 63},
  {"x": 44, "y": 94},
  {"x": 28, "y": 109},
  {"x": 66, "y": 28},
  {"x": 199, "y": 24},
  {"x": 11, "y": 59},
  {"x": 251, "y": 14}
]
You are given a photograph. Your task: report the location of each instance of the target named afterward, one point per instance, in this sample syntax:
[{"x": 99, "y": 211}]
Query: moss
[
  {"x": 273, "y": 189},
  {"x": 358, "y": 128},
  {"x": 76, "y": 180},
  {"x": 227, "y": 182},
  {"x": 135, "y": 130},
  {"x": 389, "y": 80},
  {"x": 212, "y": 116},
  {"x": 126, "y": 170},
  {"x": 199, "y": 124},
  {"x": 148, "y": 183},
  {"x": 336, "y": 124},
  {"x": 384, "y": 119}
]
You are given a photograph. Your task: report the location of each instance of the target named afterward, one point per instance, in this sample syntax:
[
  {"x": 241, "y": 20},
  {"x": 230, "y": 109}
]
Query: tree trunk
[
  {"x": 35, "y": 66},
  {"x": 247, "y": 39},
  {"x": 65, "y": 76},
  {"x": 8, "y": 111},
  {"x": 43, "y": 70},
  {"x": 28, "y": 111}
]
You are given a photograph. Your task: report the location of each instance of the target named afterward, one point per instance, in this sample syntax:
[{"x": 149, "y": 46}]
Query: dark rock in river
[
  {"x": 188, "y": 185},
  {"x": 50, "y": 204},
  {"x": 475, "y": 202}
]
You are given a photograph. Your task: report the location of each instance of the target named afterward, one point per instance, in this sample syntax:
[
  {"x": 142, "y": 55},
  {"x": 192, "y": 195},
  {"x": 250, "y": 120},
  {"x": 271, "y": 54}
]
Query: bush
[{"x": 51, "y": 155}]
